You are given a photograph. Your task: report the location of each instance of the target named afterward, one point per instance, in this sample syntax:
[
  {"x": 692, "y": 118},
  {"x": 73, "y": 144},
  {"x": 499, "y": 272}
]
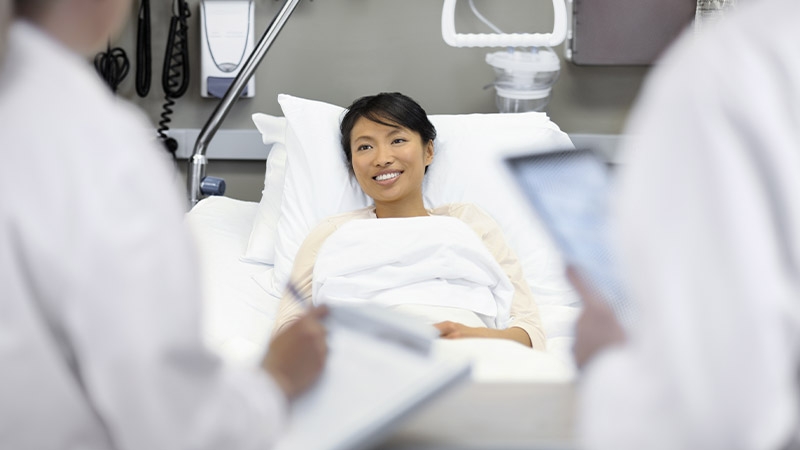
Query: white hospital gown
[
  {"x": 709, "y": 224},
  {"x": 100, "y": 343}
]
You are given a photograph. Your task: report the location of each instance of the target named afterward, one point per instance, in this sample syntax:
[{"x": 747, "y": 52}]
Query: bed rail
[{"x": 198, "y": 160}]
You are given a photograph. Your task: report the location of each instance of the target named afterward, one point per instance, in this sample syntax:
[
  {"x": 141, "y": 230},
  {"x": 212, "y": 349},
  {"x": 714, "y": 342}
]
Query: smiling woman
[
  {"x": 449, "y": 265},
  {"x": 389, "y": 158}
]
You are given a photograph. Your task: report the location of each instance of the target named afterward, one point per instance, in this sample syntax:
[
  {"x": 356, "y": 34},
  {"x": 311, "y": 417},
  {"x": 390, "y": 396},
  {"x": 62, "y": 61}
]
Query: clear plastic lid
[{"x": 528, "y": 94}]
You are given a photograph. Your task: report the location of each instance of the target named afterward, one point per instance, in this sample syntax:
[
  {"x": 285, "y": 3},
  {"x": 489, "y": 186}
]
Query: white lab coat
[
  {"x": 100, "y": 343},
  {"x": 709, "y": 224}
]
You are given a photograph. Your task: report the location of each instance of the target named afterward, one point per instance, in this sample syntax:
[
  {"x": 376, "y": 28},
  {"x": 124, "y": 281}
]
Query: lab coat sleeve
[
  {"x": 129, "y": 305},
  {"x": 712, "y": 363}
]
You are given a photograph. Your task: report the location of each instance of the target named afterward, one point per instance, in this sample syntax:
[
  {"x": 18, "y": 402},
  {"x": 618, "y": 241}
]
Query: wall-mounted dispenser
[{"x": 227, "y": 35}]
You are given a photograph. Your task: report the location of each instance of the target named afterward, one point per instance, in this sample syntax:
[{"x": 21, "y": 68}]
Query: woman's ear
[{"x": 429, "y": 152}]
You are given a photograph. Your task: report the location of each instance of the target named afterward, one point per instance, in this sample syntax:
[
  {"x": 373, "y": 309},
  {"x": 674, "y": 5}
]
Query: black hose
[
  {"x": 175, "y": 75},
  {"x": 144, "y": 58},
  {"x": 113, "y": 66}
]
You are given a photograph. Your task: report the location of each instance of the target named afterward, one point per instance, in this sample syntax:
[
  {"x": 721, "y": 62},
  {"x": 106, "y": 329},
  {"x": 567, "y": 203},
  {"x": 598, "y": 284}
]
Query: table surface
[{"x": 504, "y": 416}]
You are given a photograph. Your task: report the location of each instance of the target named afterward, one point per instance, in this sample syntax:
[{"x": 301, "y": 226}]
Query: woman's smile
[{"x": 386, "y": 178}]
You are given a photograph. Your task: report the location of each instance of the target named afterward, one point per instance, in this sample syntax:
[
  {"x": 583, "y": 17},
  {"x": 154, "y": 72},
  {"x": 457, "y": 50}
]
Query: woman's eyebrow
[
  {"x": 363, "y": 138},
  {"x": 369, "y": 137}
]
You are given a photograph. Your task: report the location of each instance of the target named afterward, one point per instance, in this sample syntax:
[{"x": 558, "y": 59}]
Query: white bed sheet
[{"x": 239, "y": 313}]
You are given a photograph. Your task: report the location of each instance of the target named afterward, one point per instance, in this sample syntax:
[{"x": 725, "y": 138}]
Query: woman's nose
[{"x": 383, "y": 156}]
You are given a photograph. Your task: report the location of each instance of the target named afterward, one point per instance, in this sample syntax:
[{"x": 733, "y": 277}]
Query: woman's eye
[
  {"x": 363, "y": 147},
  {"x": 399, "y": 141}
]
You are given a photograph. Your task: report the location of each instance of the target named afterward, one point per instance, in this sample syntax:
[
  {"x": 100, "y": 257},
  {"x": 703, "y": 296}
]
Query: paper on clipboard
[{"x": 379, "y": 369}]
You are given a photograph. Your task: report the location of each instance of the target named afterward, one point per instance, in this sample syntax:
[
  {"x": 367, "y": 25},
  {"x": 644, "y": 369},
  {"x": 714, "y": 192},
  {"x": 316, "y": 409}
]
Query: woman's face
[{"x": 389, "y": 162}]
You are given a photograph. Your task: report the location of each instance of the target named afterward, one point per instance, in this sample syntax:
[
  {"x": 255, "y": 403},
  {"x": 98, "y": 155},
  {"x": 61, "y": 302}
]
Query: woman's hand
[
  {"x": 297, "y": 354},
  {"x": 597, "y": 327},
  {"x": 455, "y": 330}
]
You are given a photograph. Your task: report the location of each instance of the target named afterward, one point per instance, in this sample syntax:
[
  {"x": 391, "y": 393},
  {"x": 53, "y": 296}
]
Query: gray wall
[{"x": 338, "y": 50}]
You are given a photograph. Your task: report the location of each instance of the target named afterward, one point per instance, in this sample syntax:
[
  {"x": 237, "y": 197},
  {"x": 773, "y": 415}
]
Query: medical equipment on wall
[
  {"x": 227, "y": 37},
  {"x": 113, "y": 65},
  {"x": 198, "y": 162},
  {"x": 622, "y": 32},
  {"x": 175, "y": 73},
  {"x": 523, "y": 77},
  {"x": 144, "y": 59}
]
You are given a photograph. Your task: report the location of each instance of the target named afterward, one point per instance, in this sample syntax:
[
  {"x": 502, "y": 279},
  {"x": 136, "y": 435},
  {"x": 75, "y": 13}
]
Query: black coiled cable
[
  {"x": 144, "y": 59},
  {"x": 113, "y": 66},
  {"x": 175, "y": 75}
]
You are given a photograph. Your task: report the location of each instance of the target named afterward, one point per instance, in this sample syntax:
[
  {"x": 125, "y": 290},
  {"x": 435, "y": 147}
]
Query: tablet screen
[{"x": 569, "y": 190}]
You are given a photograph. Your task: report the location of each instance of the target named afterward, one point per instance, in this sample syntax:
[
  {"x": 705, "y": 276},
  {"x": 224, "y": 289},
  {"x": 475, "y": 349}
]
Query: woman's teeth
[{"x": 387, "y": 176}]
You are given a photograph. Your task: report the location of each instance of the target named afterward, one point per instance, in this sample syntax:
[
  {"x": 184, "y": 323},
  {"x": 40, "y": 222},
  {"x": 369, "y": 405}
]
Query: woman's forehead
[{"x": 366, "y": 126}]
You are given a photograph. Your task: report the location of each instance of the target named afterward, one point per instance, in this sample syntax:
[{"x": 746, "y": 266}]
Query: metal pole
[{"x": 198, "y": 161}]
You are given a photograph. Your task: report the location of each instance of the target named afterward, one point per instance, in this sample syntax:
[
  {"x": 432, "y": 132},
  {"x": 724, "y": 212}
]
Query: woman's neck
[{"x": 393, "y": 210}]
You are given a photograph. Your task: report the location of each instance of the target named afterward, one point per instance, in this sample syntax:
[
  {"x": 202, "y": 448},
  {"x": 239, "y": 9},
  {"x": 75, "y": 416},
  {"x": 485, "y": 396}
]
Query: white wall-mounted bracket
[{"x": 556, "y": 37}]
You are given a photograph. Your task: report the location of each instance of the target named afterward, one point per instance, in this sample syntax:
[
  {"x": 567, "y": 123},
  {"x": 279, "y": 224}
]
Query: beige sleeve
[
  {"x": 290, "y": 308},
  {"x": 524, "y": 311}
]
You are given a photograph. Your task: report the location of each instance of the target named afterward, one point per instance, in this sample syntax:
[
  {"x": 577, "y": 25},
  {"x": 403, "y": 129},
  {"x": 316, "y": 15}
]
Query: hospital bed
[
  {"x": 517, "y": 397},
  {"x": 245, "y": 252}
]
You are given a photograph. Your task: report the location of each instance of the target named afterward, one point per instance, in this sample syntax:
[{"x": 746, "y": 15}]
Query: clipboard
[{"x": 380, "y": 368}]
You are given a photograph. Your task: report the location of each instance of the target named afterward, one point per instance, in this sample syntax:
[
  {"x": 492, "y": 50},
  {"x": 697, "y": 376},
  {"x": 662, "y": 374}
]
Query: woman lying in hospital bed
[
  {"x": 248, "y": 250},
  {"x": 449, "y": 265}
]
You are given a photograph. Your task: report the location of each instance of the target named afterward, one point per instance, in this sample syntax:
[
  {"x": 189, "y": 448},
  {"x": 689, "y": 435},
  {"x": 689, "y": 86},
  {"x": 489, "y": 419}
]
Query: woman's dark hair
[{"x": 390, "y": 109}]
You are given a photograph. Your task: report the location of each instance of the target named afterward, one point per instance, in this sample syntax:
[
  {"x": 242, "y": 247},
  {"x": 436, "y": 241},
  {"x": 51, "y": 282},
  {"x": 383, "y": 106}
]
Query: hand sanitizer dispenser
[{"x": 227, "y": 35}]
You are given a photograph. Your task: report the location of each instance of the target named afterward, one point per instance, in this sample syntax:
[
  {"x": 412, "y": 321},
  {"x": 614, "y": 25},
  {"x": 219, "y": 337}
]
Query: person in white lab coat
[
  {"x": 100, "y": 342},
  {"x": 708, "y": 221}
]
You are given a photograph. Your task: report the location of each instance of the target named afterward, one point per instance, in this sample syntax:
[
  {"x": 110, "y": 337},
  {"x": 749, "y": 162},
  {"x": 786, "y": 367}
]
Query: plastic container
[
  {"x": 524, "y": 79},
  {"x": 516, "y": 101}
]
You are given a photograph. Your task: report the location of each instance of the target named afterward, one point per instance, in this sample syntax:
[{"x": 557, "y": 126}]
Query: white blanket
[{"x": 436, "y": 261}]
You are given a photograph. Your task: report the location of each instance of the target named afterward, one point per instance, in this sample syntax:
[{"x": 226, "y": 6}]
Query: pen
[{"x": 295, "y": 293}]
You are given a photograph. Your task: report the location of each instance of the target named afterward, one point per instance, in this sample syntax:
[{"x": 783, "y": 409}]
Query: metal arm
[{"x": 198, "y": 161}]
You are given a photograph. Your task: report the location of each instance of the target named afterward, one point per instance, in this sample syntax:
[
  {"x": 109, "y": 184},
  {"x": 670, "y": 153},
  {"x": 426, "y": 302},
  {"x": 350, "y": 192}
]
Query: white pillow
[
  {"x": 261, "y": 246},
  {"x": 465, "y": 169}
]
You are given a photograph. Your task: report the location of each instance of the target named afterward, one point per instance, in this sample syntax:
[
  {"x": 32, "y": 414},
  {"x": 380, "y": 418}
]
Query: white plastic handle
[{"x": 454, "y": 39}]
